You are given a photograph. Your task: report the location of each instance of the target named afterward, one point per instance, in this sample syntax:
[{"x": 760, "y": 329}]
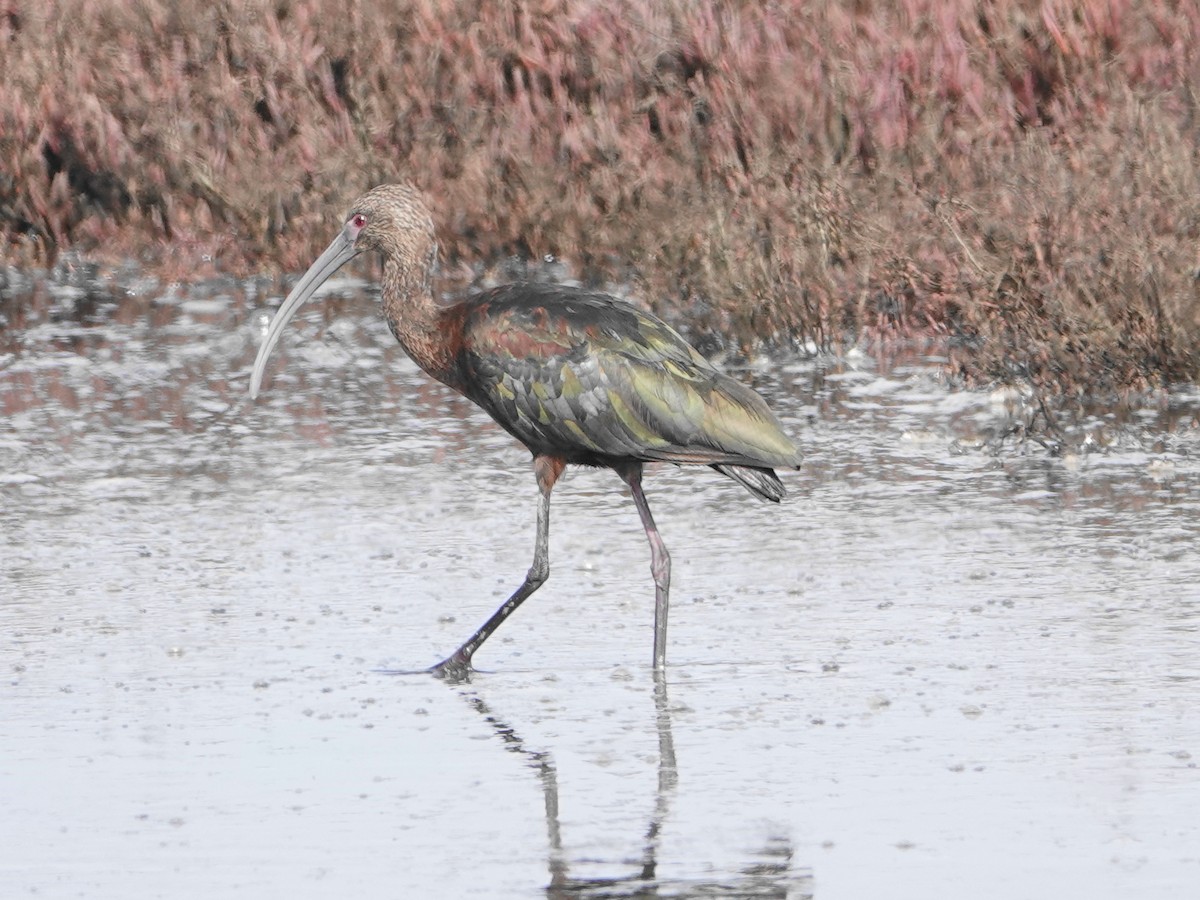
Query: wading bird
[{"x": 577, "y": 376}]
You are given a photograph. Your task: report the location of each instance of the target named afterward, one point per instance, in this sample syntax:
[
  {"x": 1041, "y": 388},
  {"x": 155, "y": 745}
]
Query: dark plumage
[{"x": 577, "y": 376}]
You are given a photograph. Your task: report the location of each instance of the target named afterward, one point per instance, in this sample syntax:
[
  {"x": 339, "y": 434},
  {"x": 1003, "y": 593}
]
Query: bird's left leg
[
  {"x": 660, "y": 561},
  {"x": 457, "y": 666}
]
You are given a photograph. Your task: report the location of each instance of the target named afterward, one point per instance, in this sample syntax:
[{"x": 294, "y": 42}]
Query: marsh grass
[{"x": 1018, "y": 176}]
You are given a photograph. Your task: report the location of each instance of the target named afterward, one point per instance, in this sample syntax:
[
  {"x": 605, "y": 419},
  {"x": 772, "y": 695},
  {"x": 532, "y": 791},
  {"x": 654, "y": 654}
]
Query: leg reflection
[
  {"x": 769, "y": 874},
  {"x": 668, "y": 775}
]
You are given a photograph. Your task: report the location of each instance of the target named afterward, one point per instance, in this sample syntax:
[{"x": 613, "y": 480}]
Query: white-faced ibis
[{"x": 575, "y": 375}]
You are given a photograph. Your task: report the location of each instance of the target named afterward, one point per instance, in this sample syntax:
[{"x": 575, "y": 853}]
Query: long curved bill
[{"x": 336, "y": 255}]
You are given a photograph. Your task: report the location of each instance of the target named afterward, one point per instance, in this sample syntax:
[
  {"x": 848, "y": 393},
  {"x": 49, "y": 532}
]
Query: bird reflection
[{"x": 767, "y": 874}]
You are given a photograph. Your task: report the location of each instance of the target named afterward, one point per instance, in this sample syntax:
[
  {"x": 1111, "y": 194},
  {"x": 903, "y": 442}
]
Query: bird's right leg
[{"x": 457, "y": 666}]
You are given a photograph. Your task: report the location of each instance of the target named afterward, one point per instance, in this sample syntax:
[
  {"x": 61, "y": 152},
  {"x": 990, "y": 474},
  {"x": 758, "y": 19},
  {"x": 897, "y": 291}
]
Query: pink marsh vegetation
[{"x": 1022, "y": 176}]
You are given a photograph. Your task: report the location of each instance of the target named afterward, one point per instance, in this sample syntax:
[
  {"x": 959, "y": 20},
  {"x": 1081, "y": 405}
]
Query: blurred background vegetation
[{"x": 1020, "y": 176}]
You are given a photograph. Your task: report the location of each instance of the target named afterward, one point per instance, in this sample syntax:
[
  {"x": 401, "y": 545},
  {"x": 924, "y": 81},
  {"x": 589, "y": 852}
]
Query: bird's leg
[
  {"x": 660, "y": 562},
  {"x": 456, "y": 666}
]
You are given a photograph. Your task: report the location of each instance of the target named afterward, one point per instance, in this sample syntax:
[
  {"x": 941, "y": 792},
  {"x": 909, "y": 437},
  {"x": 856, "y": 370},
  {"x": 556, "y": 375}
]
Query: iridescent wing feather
[{"x": 579, "y": 375}]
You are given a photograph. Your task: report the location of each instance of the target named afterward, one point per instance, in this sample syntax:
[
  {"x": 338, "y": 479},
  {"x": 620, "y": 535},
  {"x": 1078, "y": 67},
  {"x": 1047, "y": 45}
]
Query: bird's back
[{"x": 586, "y": 377}]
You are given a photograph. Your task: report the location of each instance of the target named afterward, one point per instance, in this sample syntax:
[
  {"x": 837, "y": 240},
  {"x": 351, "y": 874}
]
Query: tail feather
[{"x": 760, "y": 481}]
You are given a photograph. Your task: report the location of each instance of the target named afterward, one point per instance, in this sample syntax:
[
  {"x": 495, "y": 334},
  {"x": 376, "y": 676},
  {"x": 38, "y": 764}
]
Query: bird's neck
[{"x": 414, "y": 317}]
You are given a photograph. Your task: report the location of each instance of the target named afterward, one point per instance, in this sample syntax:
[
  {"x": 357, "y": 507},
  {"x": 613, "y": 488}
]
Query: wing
[{"x": 590, "y": 378}]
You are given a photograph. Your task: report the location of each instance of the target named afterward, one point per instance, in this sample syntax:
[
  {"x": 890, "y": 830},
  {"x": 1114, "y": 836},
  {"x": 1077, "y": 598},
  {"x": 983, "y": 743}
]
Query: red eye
[{"x": 359, "y": 221}]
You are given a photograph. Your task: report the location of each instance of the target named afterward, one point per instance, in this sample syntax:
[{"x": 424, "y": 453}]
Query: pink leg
[{"x": 660, "y": 562}]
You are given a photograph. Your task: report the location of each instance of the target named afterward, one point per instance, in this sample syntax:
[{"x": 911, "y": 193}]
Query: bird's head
[{"x": 392, "y": 219}]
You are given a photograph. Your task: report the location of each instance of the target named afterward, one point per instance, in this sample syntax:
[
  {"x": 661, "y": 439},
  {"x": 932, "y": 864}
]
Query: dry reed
[{"x": 1021, "y": 176}]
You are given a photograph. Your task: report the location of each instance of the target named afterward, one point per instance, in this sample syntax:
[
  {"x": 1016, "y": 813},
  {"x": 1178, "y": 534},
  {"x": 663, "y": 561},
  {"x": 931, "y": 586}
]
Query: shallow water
[{"x": 948, "y": 665}]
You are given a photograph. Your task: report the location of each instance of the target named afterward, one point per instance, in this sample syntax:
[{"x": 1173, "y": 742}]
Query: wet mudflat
[{"x": 944, "y": 667}]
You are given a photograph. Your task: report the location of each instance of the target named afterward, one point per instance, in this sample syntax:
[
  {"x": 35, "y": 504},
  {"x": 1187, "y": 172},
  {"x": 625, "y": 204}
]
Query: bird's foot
[{"x": 455, "y": 669}]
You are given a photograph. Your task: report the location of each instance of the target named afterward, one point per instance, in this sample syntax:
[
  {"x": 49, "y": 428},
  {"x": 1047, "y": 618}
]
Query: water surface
[{"x": 951, "y": 664}]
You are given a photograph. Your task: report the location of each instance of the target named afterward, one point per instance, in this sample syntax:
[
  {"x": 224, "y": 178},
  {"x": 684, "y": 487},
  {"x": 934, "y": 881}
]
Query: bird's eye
[{"x": 359, "y": 221}]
